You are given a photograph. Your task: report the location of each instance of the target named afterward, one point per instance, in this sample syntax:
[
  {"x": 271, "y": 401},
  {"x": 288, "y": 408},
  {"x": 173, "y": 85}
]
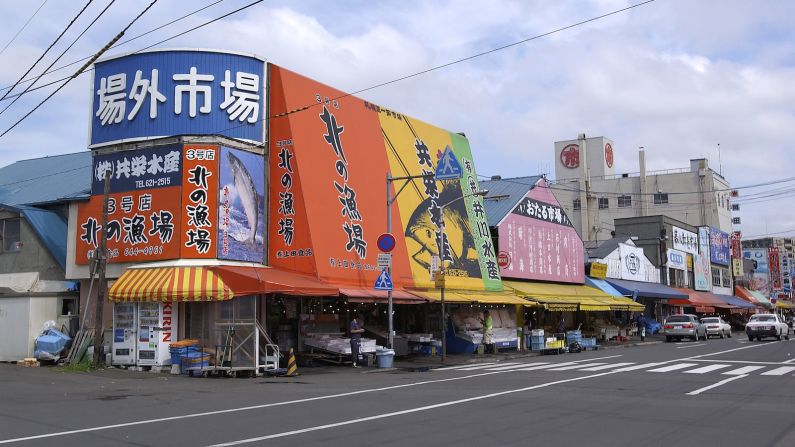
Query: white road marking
[
  {"x": 714, "y": 385},
  {"x": 535, "y": 368},
  {"x": 789, "y": 361},
  {"x": 463, "y": 366},
  {"x": 566, "y": 368},
  {"x": 691, "y": 346},
  {"x": 744, "y": 362},
  {"x": 351, "y": 393},
  {"x": 600, "y": 368},
  {"x": 516, "y": 365},
  {"x": 672, "y": 367},
  {"x": 706, "y": 369},
  {"x": 402, "y": 412},
  {"x": 743, "y": 370},
  {"x": 779, "y": 371},
  {"x": 643, "y": 366},
  {"x": 473, "y": 368}
]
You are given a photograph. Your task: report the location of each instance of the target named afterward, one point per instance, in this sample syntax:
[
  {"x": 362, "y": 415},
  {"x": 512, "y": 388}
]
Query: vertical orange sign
[{"x": 199, "y": 201}]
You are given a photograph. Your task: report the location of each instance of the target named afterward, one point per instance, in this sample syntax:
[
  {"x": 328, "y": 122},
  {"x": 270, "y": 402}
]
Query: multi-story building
[{"x": 594, "y": 195}]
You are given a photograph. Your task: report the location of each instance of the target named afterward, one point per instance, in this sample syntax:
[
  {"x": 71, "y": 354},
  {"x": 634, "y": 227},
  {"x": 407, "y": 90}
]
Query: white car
[
  {"x": 766, "y": 325},
  {"x": 717, "y": 327}
]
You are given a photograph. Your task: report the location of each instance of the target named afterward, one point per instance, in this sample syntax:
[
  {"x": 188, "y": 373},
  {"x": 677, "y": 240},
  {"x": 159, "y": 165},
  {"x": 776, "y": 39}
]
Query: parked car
[
  {"x": 681, "y": 326},
  {"x": 766, "y": 325},
  {"x": 717, "y": 327}
]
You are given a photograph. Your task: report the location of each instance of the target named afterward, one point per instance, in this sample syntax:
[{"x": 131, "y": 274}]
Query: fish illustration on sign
[
  {"x": 247, "y": 193},
  {"x": 422, "y": 230}
]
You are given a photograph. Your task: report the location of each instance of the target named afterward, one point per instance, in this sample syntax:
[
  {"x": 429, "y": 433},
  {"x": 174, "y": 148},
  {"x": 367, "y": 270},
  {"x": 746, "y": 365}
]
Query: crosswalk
[{"x": 728, "y": 369}]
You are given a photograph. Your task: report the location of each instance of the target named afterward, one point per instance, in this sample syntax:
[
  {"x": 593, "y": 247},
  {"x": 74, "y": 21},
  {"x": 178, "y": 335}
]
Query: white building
[{"x": 594, "y": 195}]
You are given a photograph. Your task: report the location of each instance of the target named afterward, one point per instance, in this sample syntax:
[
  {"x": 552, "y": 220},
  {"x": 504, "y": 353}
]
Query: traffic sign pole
[{"x": 390, "y": 337}]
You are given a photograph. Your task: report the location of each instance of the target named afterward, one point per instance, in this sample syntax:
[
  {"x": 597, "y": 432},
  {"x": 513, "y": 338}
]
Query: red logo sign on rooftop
[
  {"x": 609, "y": 155},
  {"x": 570, "y": 156}
]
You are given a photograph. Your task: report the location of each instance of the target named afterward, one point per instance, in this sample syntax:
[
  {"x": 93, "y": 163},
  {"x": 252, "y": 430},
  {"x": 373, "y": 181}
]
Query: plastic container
[
  {"x": 385, "y": 357},
  {"x": 178, "y": 353},
  {"x": 194, "y": 360}
]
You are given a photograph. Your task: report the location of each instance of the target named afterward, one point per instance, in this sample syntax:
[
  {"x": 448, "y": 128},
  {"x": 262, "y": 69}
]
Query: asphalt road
[{"x": 727, "y": 392}]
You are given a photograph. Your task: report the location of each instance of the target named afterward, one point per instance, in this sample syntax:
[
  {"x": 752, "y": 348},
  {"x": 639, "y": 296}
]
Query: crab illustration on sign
[{"x": 570, "y": 156}]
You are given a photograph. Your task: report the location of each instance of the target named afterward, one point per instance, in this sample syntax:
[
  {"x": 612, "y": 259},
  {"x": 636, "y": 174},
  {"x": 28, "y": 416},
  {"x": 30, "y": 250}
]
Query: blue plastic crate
[
  {"x": 536, "y": 347},
  {"x": 194, "y": 360},
  {"x": 179, "y": 352},
  {"x": 589, "y": 342}
]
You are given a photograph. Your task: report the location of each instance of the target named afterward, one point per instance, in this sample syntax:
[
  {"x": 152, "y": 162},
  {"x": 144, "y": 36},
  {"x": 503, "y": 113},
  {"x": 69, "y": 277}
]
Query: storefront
[{"x": 655, "y": 297}]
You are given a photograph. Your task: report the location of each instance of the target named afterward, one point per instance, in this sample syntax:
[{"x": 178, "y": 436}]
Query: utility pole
[{"x": 102, "y": 260}]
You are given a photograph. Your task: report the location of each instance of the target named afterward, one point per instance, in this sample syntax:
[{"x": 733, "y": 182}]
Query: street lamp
[{"x": 442, "y": 252}]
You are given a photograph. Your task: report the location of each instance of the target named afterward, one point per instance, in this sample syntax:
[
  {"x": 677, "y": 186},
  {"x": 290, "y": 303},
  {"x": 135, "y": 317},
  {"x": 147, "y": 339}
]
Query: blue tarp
[{"x": 602, "y": 285}]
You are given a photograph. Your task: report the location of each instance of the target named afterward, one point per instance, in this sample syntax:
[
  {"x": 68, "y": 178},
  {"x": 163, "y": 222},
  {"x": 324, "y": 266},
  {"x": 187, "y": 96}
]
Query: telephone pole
[{"x": 102, "y": 260}]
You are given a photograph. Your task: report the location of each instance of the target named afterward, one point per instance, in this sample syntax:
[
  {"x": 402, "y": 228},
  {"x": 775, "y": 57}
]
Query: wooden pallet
[{"x": 29, "y": 363}]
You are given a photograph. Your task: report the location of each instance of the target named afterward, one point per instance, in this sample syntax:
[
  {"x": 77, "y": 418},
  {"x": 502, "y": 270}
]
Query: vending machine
[
  {"x": 157, "y": 327},
  {"x": 125, "y": 341}
]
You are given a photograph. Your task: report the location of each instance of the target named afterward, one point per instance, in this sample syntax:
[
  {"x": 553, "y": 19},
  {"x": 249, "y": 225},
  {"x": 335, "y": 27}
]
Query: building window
[
  {"x": 624, "y": 201},
  {"x": 577, "y": 204},
  {"x": 603, "y": 203},
  {"x": 10, "y": 235},
  {"x": 726, "y": 280},
  {"x": 716, "y": 277},
  {"x": 660, "y": 198},
  {"x": 736, "y": 221}
]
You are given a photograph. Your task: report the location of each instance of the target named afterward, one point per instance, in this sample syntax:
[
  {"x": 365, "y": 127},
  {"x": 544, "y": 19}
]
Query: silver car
[
  {"x": 684, "y": 326},
  {"x": 717, "y": 327}
]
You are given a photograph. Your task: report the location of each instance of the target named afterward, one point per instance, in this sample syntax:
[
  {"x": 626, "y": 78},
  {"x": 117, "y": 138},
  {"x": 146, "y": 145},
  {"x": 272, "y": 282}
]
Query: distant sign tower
[{"x": 573, "y": 158}]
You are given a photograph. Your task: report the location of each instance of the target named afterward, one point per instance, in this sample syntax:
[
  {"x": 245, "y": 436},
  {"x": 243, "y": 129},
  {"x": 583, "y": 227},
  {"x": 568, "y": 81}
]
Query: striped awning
[
  {"x": 472, "y": 297},
  {"x": 170, "y": 284}
]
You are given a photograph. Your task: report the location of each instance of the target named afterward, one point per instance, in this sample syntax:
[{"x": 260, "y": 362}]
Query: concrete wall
[{"x": 33, "y": 257}]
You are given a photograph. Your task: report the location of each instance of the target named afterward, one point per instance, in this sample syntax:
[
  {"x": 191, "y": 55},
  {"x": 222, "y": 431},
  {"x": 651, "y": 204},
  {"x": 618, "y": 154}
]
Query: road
[{"x": 728, "y": 392}]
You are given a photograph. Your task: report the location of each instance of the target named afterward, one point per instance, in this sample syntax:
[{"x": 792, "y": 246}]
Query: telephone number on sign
[
  {"x": 152, "y": 182},
  {"x": 145, "y": 251}
]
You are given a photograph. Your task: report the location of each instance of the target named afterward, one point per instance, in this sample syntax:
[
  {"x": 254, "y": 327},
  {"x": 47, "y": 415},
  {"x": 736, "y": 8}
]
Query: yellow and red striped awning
[{"x": 170, "y": 284}]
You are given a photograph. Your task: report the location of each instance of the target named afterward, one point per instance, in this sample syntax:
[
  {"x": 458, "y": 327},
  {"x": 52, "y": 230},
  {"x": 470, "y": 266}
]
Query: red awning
[
  {"x": 704, "y": 302},
  {"x": 244, "y": 280},
  {"x": 399, "y": 296}
]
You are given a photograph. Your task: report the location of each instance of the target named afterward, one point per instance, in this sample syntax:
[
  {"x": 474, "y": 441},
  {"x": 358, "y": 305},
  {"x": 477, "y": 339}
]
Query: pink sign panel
[{"x": 540, "y": 240}]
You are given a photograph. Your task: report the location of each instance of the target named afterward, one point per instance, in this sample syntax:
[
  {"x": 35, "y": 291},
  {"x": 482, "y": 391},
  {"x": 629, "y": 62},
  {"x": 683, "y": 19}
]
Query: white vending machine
[
  {"x": 125, "y": 341},
  {"x": 157, "y": 327}
]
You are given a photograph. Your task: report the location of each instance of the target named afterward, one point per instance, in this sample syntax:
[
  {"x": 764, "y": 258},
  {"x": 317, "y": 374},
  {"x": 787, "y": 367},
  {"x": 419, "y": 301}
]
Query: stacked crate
[{"x": 536, "y": 340}]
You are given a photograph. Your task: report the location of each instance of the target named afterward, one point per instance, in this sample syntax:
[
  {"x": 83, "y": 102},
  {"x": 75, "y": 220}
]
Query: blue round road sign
[{"x": 386, "y": 242}]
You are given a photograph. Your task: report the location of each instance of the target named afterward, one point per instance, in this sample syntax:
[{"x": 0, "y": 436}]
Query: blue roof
[
  {"x": 58, "y": 178},
  {"x": 50, "y": 228},
  {"x": 515, "y": 188},
  {"x": 602, "y": 285},
  {"x": 734, "y": 301},
  {"x": 646, "y": 289}
]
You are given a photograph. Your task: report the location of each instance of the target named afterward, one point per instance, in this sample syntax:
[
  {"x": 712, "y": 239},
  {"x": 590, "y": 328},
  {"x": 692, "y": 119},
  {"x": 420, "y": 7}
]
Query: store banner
[
  {"x": 703, "y": 269},
  {"x": 676, "y": 259},
  {"x": 774, "y": 264},
  {"x": 718, "y": 246},
  {"x": 157, "y": 94},
  {"x": 598, "y": 270},
  {"x": 340, "y": 150},
  {"x": 241, "y": 205},
  {"x": 760, "y": 258},
  {"x": 135, "y": 170},
  {"x": 737, "y": 245},
  {"x": 143, "y": 226},
  {"x": 199, "y": 201},
  {"x": 737, "y": 267},
  {"x": 684, "y": 240},
  {"x": 541, "y": 241}
]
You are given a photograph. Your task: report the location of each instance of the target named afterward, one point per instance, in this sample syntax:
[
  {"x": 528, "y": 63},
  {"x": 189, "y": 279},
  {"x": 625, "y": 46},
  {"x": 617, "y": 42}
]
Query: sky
[{"x": 684, "y": 79}]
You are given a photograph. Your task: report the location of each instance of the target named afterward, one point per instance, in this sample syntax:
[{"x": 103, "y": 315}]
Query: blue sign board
[
  {"x": 719, "y": 249},
  {"x": 448, "y": 168},
  {"x": 139, "y": 169},
  {"x": 386, "y": 242},
  {"x": 180, "y": 92},
  {"x": 383, "y": 282}
]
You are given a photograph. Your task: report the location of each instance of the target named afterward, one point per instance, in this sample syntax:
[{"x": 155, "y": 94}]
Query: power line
[
  {"x": 86, "y": 69},
  {"x": 118, "y": 45},
  {"x": 81, "y": 69},
  {"x": 59, "y": 56},
  {"x": 48, "y": 49},
  {"x": 23, "y": 27}
]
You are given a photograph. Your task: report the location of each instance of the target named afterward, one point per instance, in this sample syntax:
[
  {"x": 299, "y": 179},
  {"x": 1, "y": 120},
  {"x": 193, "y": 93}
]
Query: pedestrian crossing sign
[
  {"x": 448, "y": 168},
  {"x": 383, "y": 282}
]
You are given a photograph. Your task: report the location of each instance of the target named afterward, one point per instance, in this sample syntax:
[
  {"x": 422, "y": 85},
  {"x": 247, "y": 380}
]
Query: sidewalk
[{"x": 423, "y": 363}]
